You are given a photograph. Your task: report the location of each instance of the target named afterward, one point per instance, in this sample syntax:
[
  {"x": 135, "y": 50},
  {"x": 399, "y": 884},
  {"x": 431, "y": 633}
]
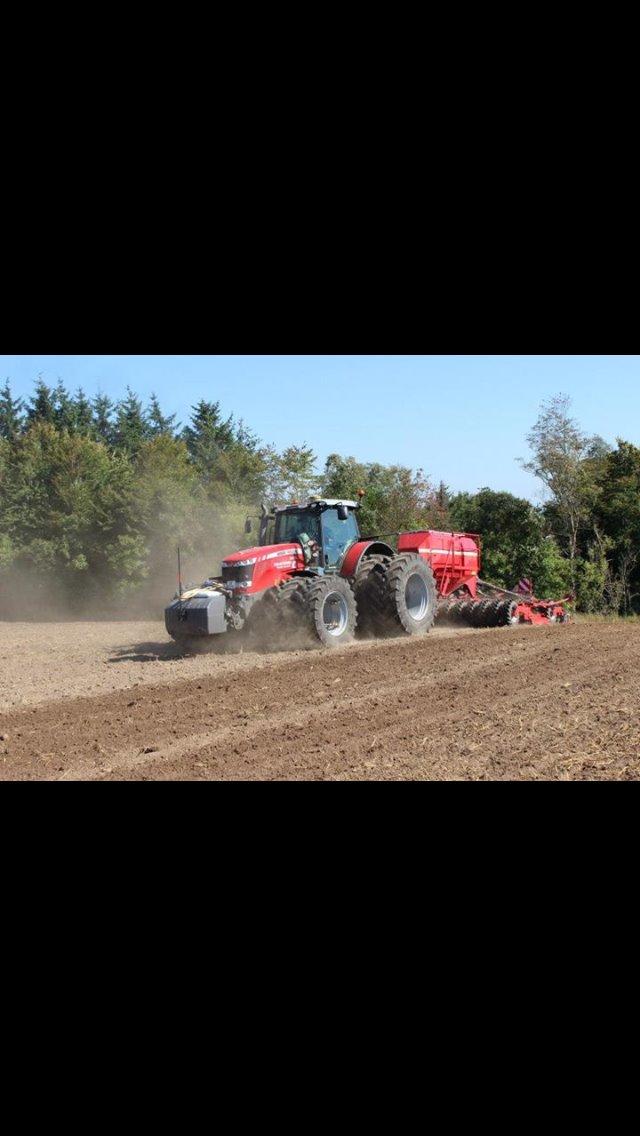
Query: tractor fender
[{"x": 361, "y": 551}]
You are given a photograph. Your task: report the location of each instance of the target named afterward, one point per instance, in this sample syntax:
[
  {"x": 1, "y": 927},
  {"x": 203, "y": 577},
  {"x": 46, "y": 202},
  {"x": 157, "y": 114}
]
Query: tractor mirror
[
  {"x": 343, "y": 513},
  {"x": 248, "y": 528}
]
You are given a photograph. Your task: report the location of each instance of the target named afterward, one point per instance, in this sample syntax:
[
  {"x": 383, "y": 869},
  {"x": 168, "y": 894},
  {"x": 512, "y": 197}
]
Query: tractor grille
[{"x": 233, "y": 575}]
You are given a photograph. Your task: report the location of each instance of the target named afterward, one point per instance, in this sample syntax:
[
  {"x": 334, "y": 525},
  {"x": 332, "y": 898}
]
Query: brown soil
[{"x": 116, "y": 702}]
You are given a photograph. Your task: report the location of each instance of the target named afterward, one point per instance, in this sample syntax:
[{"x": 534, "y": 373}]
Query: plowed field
[{"x": 103, "y": 701}]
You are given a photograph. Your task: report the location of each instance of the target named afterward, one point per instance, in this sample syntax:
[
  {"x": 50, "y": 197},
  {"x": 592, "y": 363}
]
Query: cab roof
[{"x": 320, "y": 503}]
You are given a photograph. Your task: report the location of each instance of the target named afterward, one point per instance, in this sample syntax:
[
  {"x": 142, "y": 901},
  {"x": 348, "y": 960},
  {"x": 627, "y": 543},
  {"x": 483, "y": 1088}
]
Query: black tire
[
  {"x": 412, "y": 596},
  {"x": 280, "y": 618},
  {"x": 292, "y": 612},
  {"x": 292, "y": 601},
  {"x": 332, "y": 610},
  {"x": 370, "y": 590},
  {"x": 264, "y": 619}
]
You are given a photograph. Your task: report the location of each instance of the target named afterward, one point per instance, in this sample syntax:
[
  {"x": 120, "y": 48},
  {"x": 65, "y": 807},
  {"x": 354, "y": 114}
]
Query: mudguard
[{"x": 357, "y": 553}]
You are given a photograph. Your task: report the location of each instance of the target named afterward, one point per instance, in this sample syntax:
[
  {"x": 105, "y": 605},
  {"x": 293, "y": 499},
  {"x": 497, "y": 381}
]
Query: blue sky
[{"x": 462, "y": 418}]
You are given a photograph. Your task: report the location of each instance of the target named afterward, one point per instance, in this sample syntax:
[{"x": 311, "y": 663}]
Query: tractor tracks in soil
[{"x": 546, "y": 703}]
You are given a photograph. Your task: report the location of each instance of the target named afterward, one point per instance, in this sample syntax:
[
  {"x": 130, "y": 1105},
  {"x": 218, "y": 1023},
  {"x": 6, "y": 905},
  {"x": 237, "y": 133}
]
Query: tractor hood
[
  {"x": 250, "y": 556},
  {"x": 255, "y": 570}
]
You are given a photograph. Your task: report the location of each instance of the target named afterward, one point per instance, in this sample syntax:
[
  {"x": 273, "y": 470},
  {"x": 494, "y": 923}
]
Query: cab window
[
  {"x": 337, "y": 536},
  {"x": 291, "y": 526}
]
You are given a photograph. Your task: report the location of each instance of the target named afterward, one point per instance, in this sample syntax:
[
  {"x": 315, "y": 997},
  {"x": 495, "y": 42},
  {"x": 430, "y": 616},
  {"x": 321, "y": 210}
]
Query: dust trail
[{"x": 56, "y": 594}]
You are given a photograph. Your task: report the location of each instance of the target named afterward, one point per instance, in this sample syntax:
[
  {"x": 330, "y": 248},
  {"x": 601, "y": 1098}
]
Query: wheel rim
[
  {"x": 335, "y": 614},
  {"x": 417, "y": 598}
]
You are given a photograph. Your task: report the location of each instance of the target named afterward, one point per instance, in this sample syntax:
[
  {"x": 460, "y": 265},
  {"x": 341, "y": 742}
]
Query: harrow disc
[{"x": 506, "y": 614}]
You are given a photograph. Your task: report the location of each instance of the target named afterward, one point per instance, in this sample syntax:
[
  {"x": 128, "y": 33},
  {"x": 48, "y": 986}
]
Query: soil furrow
[{"x": 557, "y": 703}]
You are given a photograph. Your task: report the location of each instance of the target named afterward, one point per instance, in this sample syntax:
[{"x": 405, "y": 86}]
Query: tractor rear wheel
[
  {"x": 371, "y": 594},
  {"x": 412, "y": 596},
  {"x": 332, "y": 610}
]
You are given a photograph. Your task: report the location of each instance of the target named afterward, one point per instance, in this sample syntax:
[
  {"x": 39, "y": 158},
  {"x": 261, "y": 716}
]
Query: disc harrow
[
  {"x": 504, "y": 611},
  {"x": 480, "y": 613}
]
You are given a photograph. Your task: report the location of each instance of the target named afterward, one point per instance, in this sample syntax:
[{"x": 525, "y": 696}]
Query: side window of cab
[{"x": 338, "y": 536}]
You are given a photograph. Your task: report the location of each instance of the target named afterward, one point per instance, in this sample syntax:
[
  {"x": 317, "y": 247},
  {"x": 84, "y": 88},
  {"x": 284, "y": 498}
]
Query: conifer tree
[
  {"x": 132, "y": 428},
  {"x": 82, "y": 413},
  {"x": 103, "y": 428},
  {"x": 41, "y": 406},
  {"x": 63, "y": 414},
  {"x": 10, "y": 413},
  {"x": 160, "y": 424},
  {"x": 208, "y": 436}
]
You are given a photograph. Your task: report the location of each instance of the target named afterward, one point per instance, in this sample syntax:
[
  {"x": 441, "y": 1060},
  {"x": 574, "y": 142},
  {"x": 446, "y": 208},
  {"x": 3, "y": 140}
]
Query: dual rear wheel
[
  {"x": 390, "y": 595},
  {"x": 398, "y": 594}
]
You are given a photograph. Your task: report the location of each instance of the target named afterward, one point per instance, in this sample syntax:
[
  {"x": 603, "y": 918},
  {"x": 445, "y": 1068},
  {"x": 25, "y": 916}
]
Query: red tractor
[{"x": 313, "y": 570}]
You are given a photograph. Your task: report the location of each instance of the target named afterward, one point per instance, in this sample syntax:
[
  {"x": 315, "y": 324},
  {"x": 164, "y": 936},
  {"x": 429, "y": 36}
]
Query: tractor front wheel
[{"x": 333, "y": 611}]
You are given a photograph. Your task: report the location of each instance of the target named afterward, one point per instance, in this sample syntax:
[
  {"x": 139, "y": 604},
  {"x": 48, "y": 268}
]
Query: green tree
[
  {"x": 11, "y": 413},
  {"x": 514, "y": 540},
  {"x": 207, "y": 436},
  {"x": 395, "y": 498},
  {"x": 131, "y": 427},
  {"x": 67, "y": 502},
  {"x": 592, "y": 576},
  {"x": 82, "y": 413},
  {"x": 41, "y": 406},
  {"x": 64, "y": 412},
  {"x": 6, "y": 547},
  {"x": 617, "y": 525},
  {"x": 241, "y": 475},
  {"x": 7, "y": 553},
  {"x": 159, "y": 423},
  {"x": 103, "y": 428},
  {"x": 442, "y": 506},
  {"x": 295, "y": 478},
  {"x": 565, "y": 460},
  {"x": 344, "y": 477}
]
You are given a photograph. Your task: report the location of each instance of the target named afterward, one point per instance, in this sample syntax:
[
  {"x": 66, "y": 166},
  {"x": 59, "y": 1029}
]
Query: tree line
[{"x": 95, "y": 496}]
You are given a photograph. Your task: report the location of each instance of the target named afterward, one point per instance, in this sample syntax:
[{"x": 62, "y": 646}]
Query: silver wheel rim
[
  {"x": 335, "y": 614},
  {"x": 417, "y": 598}
]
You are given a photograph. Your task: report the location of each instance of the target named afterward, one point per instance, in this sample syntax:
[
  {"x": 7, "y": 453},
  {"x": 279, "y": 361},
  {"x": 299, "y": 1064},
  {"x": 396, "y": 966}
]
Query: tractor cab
[{"x": 327, "y": 529}]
